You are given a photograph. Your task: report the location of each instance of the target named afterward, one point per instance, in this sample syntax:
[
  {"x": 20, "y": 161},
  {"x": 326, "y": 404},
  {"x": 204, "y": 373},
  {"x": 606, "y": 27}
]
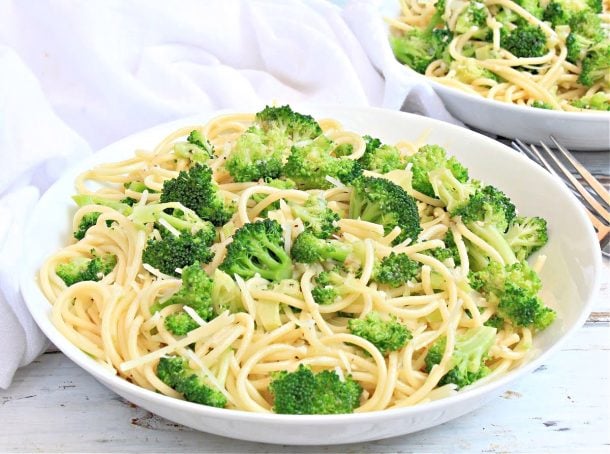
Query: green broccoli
[
  {"x": 257, "y": 155},
  {"x": 196, "y": 293},
  {"x": 294, "y": 125},
  {"x": 526, "y": 235},
  {"x": 181, "y": 218},
  {"x": 495, "y": 321},
  {"x": 258, "y": 248},
  {"x": 560, "y": 12},
  {"x": 542, "y": 105},
  {"x": 488, "y": 213},
  {"x": 316, "y": 216},
  {"x": 92, "y": 199},
  {"x": 385, "y": 203},
  {"x": 172, "y": 252},
  {"x": 309, "y": 164},
  {"x": 175, "y": 372},
  {"x": 308, "y": 248},
  {"x": 381, "y": 158},
  {"x": 467, "y": 363},
  {"x": 396, "y": 269},
  {"x": 196, "y": 189},
  {"x": 386, "y": 335},
  {"x": 325, "y": 290},
  {"x": 417, "y": 47},
  {"x": 526, "y": 41},
  {"x": 82, "y": 269},
  {"x": 531, "y": 6},
  {"x": 433, "y": 157},
  {"x": 585, "y": 31},
  {"x": 304, "y": 392},
  {"x": 196, "y": 148},
  {"x": 596, "y": 65},
  {"x": 598, "y": 101},
  {"x": 88, "y": 220},
  {"x": 450, "y": 251},
  {"x": 514, "y": 287},
  {"x": 474, "y": 15},
  {"x": 468, "y": 70}
]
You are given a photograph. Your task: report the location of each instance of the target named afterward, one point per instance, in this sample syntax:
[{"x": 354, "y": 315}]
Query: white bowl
[
  {"x": 570, "y": 278},
  {"x": 574, "y": 130}
]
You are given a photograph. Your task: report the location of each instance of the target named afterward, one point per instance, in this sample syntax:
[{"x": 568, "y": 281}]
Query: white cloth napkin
[{"x": 75, "y": 76}]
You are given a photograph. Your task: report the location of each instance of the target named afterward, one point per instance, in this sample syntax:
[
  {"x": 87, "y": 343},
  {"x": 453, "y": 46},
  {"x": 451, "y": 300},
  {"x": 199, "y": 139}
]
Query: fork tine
[
  {"x": 523, "y": 149},
  {"x": 601, "y": 211},
  {"x": 596, "y": 185}
]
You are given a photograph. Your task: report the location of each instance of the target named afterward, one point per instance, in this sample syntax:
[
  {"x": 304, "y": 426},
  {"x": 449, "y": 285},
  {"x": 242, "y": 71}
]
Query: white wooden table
[{"x": 564, "y": 406}]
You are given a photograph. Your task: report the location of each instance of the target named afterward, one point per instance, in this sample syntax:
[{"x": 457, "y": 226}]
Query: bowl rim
[{"x": 32, "y": 294}]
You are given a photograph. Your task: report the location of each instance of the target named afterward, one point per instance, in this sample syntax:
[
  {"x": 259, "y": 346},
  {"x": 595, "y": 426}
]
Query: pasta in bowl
[
  {"x": 345, "y": 280},
  {"x": 533, "y": 65}
]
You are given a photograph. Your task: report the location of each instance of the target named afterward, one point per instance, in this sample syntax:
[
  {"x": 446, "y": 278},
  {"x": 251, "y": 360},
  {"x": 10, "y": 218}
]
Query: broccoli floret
[
  {"x": 325, "y": 290},
  {"x": 316, "y": 216},
  {"x": 474, "y": 15},
  {"x": 82, "y": 269},
  {"x": 531, "y": 6},
  {"x": 91, "y": 199},
  {"x": 526, "y": 41},
  {"x": 454, "y": 191},
  {"x": 175, "y": 372},
  {"x": 596, "y": 65},
  {"x": 181, "y": 218},
  {"x": 308, "y": 248},
  {"x": 468, "y": 70},
  {"x": 541, "y": 105},
  {"x": 257, "y": 154},
  {"x": 292, "y": 124},
  {"x": 196, "y": 189},
  {"x": 274, "y": 183},
  {"x": 258, "y": 247},
  {"x": 385, "y": 203},
  {"x": 556, "y": 14},
  {"x": 309, "y": 165},
  {"x": 196, "y": 293},
  {"x": 386, "y": 335},
  {"x": 432, "y": 157},
  {"x": 381, "y": 158},
  {"x": 560, "y": 12},
  {"x": 526, "y": 235},
  {"x": 196, "y": 148},
  {"x": 467, "y": 363},
  {"x": 304, "y": 392},
  {"x": 514, "y": 288},
  {"x": 396, "y": 269},
  {"x": 599, "y": 101},
  {"x": 495, "y": 321},
  {"x": 172, "y": 252},
  {"x": 488, "y": 213},
  {"x": 450, "y": 251},
  {"x": 578, "y": 46},
  {"x": 418, "y": 48},
  {"x": 87, "y": 221}
]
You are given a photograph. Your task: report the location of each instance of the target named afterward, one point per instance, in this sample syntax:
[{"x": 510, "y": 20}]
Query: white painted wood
[{"x": 562, "y": 407}]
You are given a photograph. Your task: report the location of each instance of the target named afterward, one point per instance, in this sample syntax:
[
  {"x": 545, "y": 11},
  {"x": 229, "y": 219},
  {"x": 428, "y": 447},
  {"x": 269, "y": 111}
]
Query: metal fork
[{"x": 592, "y": 195}]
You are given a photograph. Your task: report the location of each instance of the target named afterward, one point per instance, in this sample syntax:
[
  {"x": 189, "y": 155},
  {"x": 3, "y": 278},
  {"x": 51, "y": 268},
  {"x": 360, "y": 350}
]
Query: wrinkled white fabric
[{"x": 76, "y": 75}]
